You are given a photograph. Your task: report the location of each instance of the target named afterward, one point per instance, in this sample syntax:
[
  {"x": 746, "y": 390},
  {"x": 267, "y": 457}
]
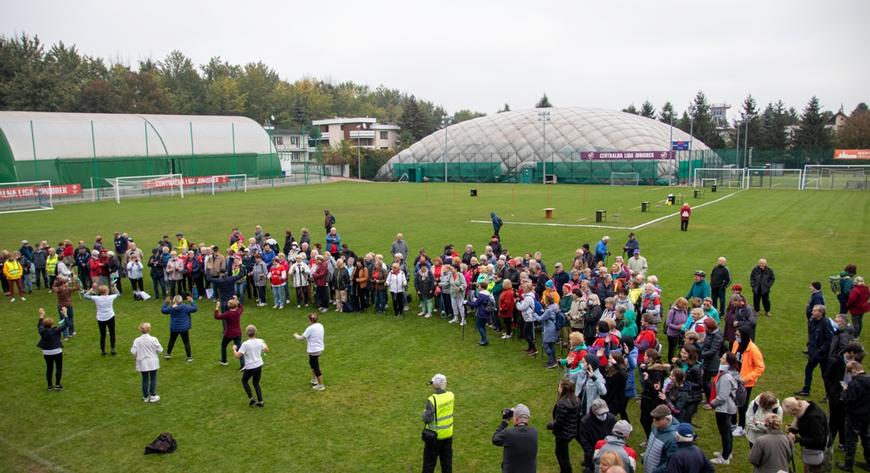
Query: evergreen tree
[
  {"x": 811, "y": 133},
  {"x": 630, "y": 109},
  {"x": 861, "y": 107},
  {"x": 667, "y": 114},
  {"x": 544, "y": 102},
  {"x": 463, "y": 115},
  {"x": 507, "y": 108},
  {"x": 749, "y": 118},
  {"x": 648, "y": 110},
  {"x": 703, "y": 127},
  {"x": 684, "y": 123},
  {"x": 413, "y": 120}
]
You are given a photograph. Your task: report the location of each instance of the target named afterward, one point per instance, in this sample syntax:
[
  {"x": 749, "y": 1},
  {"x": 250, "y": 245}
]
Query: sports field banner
[
  {"x": 193, "y": 181},
  {"x": 626, "y": 155},
  {"x": 34, "y": 191},
  {"x": 852, "y": 154}
]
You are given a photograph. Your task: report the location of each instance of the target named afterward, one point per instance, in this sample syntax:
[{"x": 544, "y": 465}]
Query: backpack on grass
[{"x": 164, "y": 443}]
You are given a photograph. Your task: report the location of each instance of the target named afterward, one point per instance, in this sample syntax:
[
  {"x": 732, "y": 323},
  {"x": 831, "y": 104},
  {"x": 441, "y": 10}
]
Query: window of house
[
  {"x": 383, "y": 135},
  {"x": 279, "y": 140},
  {"x": 294, "y": 141}
]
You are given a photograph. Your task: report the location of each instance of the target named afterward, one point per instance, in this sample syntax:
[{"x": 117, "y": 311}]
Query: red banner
[
  {"x": 852, "y": 154},
  {"x": 168, "y": 182},
  {"x": 34, "y": 191}
]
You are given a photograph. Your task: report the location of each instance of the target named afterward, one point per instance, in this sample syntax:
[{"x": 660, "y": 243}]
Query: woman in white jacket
[
  {"x": 145, "y": 348},
  {"x": 396, "y": 282},
  {"x": 526, "y": 306},
  {"x": 134, "y": 273},
  {"x": 299, "y": 273}
]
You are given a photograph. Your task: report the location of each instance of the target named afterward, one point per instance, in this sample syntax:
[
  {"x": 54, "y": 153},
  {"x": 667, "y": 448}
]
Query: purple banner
[{"x": 626, "y": 155}]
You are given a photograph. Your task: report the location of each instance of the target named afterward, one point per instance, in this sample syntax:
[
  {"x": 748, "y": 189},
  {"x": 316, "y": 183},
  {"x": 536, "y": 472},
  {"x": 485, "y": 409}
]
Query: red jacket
[
  {"x": 857, "y": 303},
  {"x": 319, "y": 275},
  {"x": 96, "y": 268},
  {"x": 646, "y": 339},
  {"x": 277, "y": 275},
  {"x": 685, "y": 212},
  {"x": 506, "y": 304},
  {"x": 232, "y": 321},
  {"x": 600, "y": 342}
]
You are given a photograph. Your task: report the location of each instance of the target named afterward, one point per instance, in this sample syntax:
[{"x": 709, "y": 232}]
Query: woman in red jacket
[
  {"x": 506, "y": 304},
  {"x": 858, "y": 304},
  {"x": 685, "y": 213},
  {"x": 232, "y": 327}
]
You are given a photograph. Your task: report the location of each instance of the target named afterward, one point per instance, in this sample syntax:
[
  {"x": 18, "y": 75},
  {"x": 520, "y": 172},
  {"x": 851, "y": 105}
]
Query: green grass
[{"x": 376, "y": 368}]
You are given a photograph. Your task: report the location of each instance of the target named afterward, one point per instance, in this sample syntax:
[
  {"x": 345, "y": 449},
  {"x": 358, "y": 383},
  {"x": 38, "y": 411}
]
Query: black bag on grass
[{"x": 164, "y": 443}]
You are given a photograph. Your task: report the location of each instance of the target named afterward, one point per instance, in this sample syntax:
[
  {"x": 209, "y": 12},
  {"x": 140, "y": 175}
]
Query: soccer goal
[
  {"x": 25, "y": 196},
  {"x": 818, "y": 176},
  {"x": 147, "y": 186},
  {"x": 732, "y": 178},
  {"x": 774, "y": 178},
  {"x": 624, "y": 178},
  {"x": 226, "y": 183}
]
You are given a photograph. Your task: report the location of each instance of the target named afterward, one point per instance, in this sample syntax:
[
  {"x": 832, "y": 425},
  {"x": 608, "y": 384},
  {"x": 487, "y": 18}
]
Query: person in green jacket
[
  {"x": 700, "y": 288},
  {"x": 625, "y": 322}
]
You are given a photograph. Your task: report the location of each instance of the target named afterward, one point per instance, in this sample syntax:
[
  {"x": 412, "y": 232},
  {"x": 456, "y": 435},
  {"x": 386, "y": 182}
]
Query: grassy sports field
[{"x": 376, "y": 368}]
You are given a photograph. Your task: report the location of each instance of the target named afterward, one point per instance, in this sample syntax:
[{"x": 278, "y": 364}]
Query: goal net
[
  {"x": 25, "y": 196},
  {"x": 147, "y": 186},
  {"x": 817, "y": 176},
  {"x": 732, "y": 178},
  {"x": 774, "y": 178},
  {"x": 223, "y": 183},
  {"x": 624, "y": 178}
]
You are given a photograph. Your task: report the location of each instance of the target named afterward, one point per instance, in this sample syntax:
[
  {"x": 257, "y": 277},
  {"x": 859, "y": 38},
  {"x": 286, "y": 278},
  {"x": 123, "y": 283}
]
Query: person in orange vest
[{"x": 685, "y": 213}]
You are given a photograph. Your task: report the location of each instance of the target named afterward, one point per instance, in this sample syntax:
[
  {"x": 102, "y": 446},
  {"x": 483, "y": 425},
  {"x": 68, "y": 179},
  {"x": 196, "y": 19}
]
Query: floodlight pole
[
  {"x": 445, "y": 122},
  {"x": 544, "y": 117},
  {"x": 748, "y": 119}
]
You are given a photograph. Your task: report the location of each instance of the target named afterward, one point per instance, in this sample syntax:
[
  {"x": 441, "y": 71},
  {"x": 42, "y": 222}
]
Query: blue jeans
[
  {"x": 380, "y": 300},
  {"x": 550, "y": 350},
  {"x": 70, "y": 327},
  {"x": 159, "y": 284},
  {"x": 480, "y": 324},
  {"x": 240, "y": 289},
  {"x": 278, "y": 293},
  {"x": 808, "y": 371},
  {"x": 149, "y": 383}
]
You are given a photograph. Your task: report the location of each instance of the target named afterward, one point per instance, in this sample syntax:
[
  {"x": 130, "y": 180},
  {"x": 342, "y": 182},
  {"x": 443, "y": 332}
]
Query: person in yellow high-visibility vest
[
  {"x": 13, "y": 271},
  {"x": 438, "y": 417}
]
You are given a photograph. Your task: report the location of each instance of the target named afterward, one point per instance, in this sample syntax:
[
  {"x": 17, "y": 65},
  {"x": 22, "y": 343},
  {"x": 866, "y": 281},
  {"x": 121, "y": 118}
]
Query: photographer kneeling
[{"x": 520, "y": 443}]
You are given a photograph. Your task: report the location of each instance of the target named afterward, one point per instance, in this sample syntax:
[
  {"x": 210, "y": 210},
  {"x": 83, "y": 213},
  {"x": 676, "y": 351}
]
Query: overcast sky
[{"x": 481, "y": 54}]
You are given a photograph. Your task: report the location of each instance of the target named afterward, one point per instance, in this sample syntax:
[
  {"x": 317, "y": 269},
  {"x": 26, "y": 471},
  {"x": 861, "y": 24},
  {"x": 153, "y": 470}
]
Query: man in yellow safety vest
[{"x": 438, "y": 417}]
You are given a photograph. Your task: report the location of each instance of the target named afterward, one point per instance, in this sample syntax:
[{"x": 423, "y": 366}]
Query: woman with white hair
[
  {"x": 145, "y": 348},
  {"x": 105, "y": 314},
  {"x": 179, "y": 322},
  {"x": 174, "y": 273},
  {"x": 252, "y": 350},
  {"x": 651, "y": 302}
]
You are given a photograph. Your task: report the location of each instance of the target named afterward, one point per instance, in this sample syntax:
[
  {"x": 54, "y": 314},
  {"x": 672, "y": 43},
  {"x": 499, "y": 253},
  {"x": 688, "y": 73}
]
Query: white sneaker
[
  {"x": 275, "y": 306},
  {"x": 505, "y": 336},
  {"x": 280, "y": 307},
  {"x": 462, "y": 323},
  {"x": 12, "y": 300},
  {"x": 298, "y": 306},
  {"x": 154, "y": 398},
  {"x": 146, "y": 399},
  {"x": 23, "y": 298},
  {"x": 721, "y": 461},
  {"x": 421, "y": 313},
  {"x": 428, "y": 315},
  {"x": 313, "y": 382},
  {"x": 737, "y": 432},
  {"x": 453, "y": 320},
  {"x": 318, "y": 387}
]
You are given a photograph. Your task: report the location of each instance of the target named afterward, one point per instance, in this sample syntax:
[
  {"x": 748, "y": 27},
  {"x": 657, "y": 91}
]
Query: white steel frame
[
  {"x": 810, "y": 167},
  {"x": 116, "y": 182},
  {"x": 44, "y": 183},
  {"x": 739, "y": 173},
  {"x": 626, "y": 175},
  {"x": 771, "y": 173}
]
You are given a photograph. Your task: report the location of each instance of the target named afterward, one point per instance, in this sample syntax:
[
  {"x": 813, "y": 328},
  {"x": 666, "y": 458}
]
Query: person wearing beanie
[
  {"x": 595, "y": 426},
  {"x": 617, "y": 442},
  {"x": 589, "y": 382},
  {"x": 688, "y": 458},
  {"x": 700, "y": 287},
  {"x": 661, "y": 444},
  {"x": 520, "y": 443}
]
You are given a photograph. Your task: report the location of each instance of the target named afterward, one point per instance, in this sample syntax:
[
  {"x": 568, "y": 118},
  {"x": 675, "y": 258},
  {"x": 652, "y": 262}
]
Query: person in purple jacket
[{"x": 483, "y": 306}]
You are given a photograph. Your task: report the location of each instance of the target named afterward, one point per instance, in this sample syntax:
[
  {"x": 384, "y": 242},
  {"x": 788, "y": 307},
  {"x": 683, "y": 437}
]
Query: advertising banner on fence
[
  {"x": 194, "y": 181},
  {"x": 34, "y": 191},
  {"x": 852, "y": 154},
  {"x": 626, "y": 155}
]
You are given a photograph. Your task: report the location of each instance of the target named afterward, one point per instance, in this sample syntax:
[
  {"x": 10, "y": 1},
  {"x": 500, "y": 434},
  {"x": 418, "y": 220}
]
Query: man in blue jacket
[
  {"x": 821, "y": 334},
  {"x": 496, "y": 223},
  {"x": 601, "y": 250},
  {"x": 700, "y": 288}
]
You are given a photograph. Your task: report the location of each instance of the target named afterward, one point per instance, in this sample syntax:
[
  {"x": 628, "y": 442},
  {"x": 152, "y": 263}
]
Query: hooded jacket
[{"x": 752, "y": 362}]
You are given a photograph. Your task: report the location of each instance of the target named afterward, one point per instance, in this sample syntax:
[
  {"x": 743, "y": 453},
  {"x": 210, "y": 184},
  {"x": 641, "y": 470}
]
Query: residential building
[{"x": 364, "y": 132}]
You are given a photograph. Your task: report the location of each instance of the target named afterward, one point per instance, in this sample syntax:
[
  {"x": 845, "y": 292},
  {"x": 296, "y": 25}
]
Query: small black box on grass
[
  {"x": 671, "y": 199},
  {"x": 713, "y": 188},
  {"x": 644, "y": 206},
  {"x": 696, "y": 194},
  {"x": 473, "y": 192}
]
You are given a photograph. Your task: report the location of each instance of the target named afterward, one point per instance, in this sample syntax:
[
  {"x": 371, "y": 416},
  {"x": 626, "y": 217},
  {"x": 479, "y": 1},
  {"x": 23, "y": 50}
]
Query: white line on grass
[
  {"x": 30, "y": 455},
  {"x": 612, "y": 227}
]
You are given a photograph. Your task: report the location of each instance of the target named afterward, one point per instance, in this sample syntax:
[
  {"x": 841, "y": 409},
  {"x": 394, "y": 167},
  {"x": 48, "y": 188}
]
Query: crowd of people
[{"x": 596, "y": 318}]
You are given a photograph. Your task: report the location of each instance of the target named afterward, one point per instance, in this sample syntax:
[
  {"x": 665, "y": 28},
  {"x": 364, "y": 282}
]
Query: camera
[{"x": 507, "y": 413}]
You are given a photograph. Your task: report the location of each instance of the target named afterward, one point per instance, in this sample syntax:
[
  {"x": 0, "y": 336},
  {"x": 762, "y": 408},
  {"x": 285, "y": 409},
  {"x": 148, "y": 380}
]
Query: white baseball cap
[{"x": 439, "y": 380}]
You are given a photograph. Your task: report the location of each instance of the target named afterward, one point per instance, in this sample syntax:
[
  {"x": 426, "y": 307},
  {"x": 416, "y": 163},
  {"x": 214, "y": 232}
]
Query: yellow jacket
[{"x": 12, "y": 269}]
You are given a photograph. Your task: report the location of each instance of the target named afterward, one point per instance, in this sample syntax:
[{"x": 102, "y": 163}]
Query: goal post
[
  {"x": 624, "y": 178},
  {"x": 732, "y": 178},
  {"x": 26, "y": 196},
  {"x": 228, "y": 182},
  {"x": 774, "y": 178},
  {"x": 834, "y": 176},
  {"x": 146, "y": 186}
]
